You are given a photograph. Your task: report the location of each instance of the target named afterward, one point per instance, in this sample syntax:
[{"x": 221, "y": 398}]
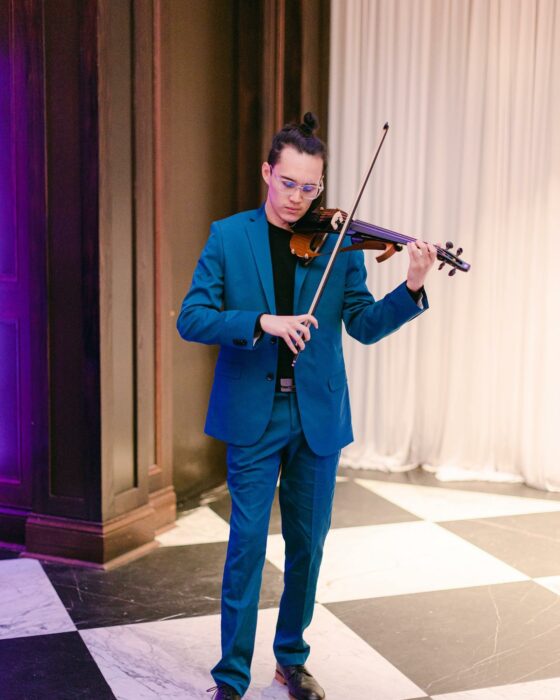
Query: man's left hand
[{"x": 422, "y": 257}]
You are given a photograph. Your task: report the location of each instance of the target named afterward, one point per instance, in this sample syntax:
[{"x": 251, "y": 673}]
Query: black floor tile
[
  {"x": 409, "y": 477},
  {"x": 57, "y": 666},
  {"x": 354, "y": 506},
  {"x": 448, "y": 641},
  {"x": 180, "y": 581},
  {"x": 529, "y": 543},
  {"x": 222, "y": 506}
]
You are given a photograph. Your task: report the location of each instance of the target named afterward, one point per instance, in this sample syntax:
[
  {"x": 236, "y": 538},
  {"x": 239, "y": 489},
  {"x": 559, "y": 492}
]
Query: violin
[
  {"x": 315, "y": 230},
  {"x": 312, "y": 231}
]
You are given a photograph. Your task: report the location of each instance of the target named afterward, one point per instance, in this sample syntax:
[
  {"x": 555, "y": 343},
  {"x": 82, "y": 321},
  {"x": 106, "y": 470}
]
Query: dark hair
[{"x": 299, "y": 136}]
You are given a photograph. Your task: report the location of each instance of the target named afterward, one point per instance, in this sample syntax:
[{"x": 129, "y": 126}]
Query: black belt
[{"x": 286, "y": 385}]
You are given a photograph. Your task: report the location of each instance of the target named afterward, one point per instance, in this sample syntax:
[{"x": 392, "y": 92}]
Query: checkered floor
[{"x": 426, "y": 591}]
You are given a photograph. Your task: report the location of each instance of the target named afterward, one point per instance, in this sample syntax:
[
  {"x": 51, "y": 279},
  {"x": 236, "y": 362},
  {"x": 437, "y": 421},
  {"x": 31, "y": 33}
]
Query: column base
[
  {"x": 12, "y": 526},
  {"x": 164, "y": 503},
  {"x": 99, "y": 545}
]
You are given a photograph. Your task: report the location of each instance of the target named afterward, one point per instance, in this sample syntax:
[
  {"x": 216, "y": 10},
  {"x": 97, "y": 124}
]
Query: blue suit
[
  {"x": 303, "y": 432},
  {"x": 232, "y": 285}
]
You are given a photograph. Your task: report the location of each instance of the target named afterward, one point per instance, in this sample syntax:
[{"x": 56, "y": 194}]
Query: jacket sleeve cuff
[
  {"x": 407, "y": 297},
  {"x": 417, "y": 296},
  {"x": 258, "y": 332},
  {"x": 245, "y": 329}
]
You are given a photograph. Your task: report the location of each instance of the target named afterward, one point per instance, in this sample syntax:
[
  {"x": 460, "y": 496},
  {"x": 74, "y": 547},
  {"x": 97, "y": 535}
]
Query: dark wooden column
[
  {"x": 92, "y": 481},
  {"x": 137, "y": 470}
]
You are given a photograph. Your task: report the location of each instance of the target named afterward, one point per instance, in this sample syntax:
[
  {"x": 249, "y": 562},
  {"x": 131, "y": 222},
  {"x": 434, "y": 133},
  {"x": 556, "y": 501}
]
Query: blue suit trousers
[{"x": 307, "y": 483}]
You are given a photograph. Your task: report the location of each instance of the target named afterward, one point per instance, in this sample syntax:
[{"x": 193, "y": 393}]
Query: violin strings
[{"x": 399, "y": 237}]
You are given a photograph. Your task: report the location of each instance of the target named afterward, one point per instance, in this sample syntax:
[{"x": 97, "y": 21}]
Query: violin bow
[{"x": 342, "y": 234}]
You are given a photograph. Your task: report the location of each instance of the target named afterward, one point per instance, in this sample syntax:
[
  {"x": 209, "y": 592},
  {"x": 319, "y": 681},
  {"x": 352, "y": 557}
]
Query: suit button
[
  {"x": 239, "y": 341},
  {"x": 269, "y": 376},
  {"x": 273, "y": 341}
]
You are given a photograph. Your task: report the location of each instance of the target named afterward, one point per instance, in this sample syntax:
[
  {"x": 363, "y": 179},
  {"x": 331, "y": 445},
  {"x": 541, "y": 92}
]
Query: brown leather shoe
[
  {"x": 224, "y": 692},
  {"x": 301, "y": 684}
]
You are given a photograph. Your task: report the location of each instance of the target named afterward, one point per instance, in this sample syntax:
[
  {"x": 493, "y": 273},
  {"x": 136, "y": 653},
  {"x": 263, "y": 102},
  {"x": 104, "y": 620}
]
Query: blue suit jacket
[{"x": 232, "y": 285}]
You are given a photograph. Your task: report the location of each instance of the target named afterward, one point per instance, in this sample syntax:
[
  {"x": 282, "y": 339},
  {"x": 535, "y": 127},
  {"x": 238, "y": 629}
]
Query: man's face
[{"x": 285, "y": 206}]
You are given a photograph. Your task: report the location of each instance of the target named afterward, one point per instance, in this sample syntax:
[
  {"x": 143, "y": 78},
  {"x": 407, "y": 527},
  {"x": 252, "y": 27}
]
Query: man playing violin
[{"x": 249, "y": 295}]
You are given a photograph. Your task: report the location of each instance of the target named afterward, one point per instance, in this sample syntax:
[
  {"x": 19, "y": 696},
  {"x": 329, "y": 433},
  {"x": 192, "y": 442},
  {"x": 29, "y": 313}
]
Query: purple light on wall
[
  {"x": 7, "y": 238},
  {"x": 9, "y": 327},
  {"x": 9, "y": 432}
]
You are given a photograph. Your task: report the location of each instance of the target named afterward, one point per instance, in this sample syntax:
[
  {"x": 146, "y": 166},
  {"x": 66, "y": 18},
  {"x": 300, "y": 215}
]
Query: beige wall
[{"x": 197, "y": 157}]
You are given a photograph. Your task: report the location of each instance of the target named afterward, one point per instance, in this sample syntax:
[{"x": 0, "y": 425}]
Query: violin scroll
[{"x": 447, "y": 257}]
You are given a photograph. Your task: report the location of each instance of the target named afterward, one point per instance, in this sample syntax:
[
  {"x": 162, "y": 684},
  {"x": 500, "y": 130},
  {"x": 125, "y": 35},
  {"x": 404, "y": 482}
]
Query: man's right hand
[{"x": 294, "y": 330}]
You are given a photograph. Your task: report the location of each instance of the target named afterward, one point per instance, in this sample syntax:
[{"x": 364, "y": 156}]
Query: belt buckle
[{"x": 287, "y": 385}]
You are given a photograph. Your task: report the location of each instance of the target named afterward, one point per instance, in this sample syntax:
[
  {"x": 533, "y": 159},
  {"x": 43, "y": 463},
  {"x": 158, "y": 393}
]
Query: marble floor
[{"x": 427, "y": 590}]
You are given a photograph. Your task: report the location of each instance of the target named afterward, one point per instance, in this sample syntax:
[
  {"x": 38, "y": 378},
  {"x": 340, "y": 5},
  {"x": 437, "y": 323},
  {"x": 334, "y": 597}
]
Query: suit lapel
[{"x": 257, "y": 232}]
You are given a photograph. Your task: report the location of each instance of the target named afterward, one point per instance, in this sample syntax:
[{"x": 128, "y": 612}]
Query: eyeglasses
[{"x": 308, "y": 191}]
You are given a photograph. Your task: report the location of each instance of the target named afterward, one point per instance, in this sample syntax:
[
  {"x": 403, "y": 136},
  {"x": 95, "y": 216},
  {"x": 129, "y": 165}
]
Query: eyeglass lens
[{"x": 308, "y": 191}]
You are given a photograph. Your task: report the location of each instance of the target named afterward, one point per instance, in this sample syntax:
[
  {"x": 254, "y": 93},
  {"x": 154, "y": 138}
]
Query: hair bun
[
  {"x": 310, "y": 124},
  {"x": 300, "y": 137}
]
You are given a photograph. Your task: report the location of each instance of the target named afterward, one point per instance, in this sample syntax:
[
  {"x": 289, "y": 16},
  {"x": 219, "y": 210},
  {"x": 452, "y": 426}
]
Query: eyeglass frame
[{"x": 296, "y": 186}]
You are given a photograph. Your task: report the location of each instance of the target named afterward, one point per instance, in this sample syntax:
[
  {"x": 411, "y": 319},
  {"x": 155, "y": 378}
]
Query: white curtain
[{"x": 471, "y": 90}]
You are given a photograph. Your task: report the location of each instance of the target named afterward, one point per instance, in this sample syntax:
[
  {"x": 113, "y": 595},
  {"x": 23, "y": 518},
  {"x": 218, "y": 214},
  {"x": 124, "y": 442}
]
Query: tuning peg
[
  {"x": 459, "y": 251},
  {"x": 441, "y": 266},
  {"x": 449, "y": 245},
  {"x": 452, "y": 272}
]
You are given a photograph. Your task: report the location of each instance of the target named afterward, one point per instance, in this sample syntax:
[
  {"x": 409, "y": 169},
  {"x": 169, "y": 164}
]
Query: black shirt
[{"x": 284, "y": 275}]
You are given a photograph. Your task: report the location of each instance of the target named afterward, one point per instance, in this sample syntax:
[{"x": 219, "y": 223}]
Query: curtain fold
[{"x": 471, "y": 91}]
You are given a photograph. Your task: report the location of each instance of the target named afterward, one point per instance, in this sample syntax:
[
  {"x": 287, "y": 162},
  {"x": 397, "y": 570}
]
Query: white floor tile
[
  {"x": 548, "y": 689},
  {"x": 29, "y": 605},
  {"x": 197, "y": 526},
  {"x": 348, "y": 667},
  {"x": 550, "y": 582},
  {"x": 155, "y": 660},
  {"x": 172, "y": 659},
  {"x": 383, "y": 560},
  {"x": 440, "y": 504}
]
